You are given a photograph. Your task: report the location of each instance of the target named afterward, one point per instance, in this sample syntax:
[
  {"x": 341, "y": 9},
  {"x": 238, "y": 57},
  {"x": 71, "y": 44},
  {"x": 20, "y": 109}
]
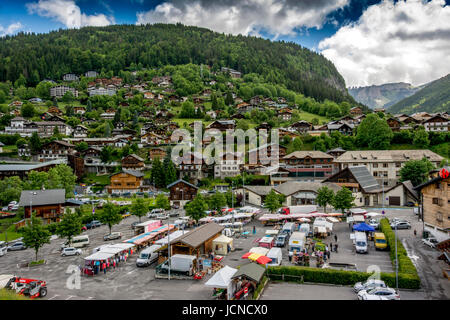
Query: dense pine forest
[{"x": 128, "y": 47}]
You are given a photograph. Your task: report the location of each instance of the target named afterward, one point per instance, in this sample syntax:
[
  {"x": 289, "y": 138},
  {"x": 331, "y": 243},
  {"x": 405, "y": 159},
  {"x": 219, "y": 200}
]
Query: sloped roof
[
  {"x": 252, "y": 271},
  {"x": 42, "y": 197},
  {"x": 388, "y": 155},
  {"x": 259, "y": 190},
  {"x": 201, "y": 234},
  {"x": 292, "y": 187},
  {"x": 364, "y": 178},
  {"x": 311, "y": 154},
  {"x": 181, "y": 180}
]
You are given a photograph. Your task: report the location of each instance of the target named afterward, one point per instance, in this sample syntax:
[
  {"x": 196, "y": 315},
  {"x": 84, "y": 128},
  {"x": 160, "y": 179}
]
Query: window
[
  {"x": 435, "y": 200},
  {"x": 375, "y": 165},
  {"x": 398, "y": 164},
  {"x": 439, "y": 217},
  {"x": 385, "y": 165}
]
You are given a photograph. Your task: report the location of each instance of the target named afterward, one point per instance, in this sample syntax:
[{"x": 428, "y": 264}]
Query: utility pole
[
  {"x": 396, "y": 260},
  {"x": 168, "y": 244}
]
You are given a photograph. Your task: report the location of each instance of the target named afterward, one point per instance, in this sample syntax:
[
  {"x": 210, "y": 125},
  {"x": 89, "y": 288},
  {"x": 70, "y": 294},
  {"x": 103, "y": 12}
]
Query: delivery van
[
  {"x": 276, "y": 255},
  {"x": 296, "y": 243},
  {"x": 288, "y": 228},
  {"x": 360, "y": 242},
  {"x": 380, "y": 241},
  {"x": 305, "y": 228},
  {"x": 148, "y": 256},
  {"x": 77, "y": 242},
  {"x": 179, "y": 263}
]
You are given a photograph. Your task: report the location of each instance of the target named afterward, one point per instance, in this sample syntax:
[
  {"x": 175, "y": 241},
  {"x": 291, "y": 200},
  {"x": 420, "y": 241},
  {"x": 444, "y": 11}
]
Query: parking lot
[{"x": 130, "y": 282}]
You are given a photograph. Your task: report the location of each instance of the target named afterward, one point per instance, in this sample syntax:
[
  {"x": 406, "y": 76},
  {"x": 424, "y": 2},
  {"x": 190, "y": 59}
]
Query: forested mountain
[
  {"x": 130, "y": 47},
  {"x": 384, "y": 95},
  {"x": 435, "y": 97}
]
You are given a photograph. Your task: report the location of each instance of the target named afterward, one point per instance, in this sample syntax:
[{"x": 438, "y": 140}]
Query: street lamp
[
  {"x": 396, "y": 260},
  {"x": 31, "y": 205}
]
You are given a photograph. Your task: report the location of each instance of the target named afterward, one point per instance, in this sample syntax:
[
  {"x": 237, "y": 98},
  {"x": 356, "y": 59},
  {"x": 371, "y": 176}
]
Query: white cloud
[
  {"x": 11, "y": 29},
  {"x": 408, "y": 41},
  {"x": 277, "y": 17},
  {"x": 68, "y": 13}
]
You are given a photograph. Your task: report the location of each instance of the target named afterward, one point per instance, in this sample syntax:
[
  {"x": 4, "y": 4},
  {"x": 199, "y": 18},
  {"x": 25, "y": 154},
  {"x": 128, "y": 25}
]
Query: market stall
[
  {"x": 222, "y": 245},
  {"x": 266, "y": 242},
  {"x": 224, "y": 287},
  {"x": 247, "y": 279}
]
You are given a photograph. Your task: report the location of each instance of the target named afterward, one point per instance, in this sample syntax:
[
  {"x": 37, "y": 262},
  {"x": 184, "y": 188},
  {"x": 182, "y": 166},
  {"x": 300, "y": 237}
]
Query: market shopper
[
  {"x": 335, "y": 238},
  {"x": 336, "y": 247}
]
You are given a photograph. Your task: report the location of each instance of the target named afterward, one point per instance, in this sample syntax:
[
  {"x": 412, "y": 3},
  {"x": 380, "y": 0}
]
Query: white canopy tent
[
  {"x": 259, "y": 250},
  {"x": 222, "y": 280},
  {"x": 221, "y": 243},
  {"x": 373, "y": 214},
  {"x": 99, "y": 256}
]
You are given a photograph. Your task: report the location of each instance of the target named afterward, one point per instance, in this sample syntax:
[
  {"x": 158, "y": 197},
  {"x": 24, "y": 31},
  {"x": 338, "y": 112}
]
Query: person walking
[
  {"x": 415, "y": 233},
  {"x": 331, "y": 246},
  {"x": 335, "y": 238},
  {"x": 336, "y": 247}
]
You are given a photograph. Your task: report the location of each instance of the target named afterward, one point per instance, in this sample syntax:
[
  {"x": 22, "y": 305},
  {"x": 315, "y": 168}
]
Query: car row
[{"x": 375, "y": 289}]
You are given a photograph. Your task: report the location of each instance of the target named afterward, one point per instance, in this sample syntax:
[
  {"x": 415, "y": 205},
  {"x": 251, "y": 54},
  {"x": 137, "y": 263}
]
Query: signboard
[{"x": 207, "y": 263}]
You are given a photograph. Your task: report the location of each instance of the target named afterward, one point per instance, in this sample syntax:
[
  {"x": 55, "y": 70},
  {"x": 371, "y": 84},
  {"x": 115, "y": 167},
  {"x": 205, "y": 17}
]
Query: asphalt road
[{"x": 130, "y": 282}]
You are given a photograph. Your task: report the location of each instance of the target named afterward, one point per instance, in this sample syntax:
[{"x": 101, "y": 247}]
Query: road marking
[
  {"x": 68, "y": 298},
  {"x": 56, "y": 295},
  {"x": 130, "y": 272}
]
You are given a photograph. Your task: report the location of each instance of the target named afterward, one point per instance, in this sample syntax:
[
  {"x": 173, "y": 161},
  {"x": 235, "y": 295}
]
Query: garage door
[{"x": 394, "y": 201}]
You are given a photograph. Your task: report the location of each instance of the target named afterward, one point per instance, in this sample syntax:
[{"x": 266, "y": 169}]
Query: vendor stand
[
  {"x": 247, "y": 279},
  {"x": 223, "y": 245},
  {"x": 224, "y": 287},
  {"x": 266, "y": 242}
]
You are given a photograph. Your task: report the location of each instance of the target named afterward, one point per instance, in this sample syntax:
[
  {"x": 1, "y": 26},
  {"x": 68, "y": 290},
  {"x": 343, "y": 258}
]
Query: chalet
[
  {"x": 206, "y": 92},
  {"x": 283, "y": 132},
  {"x": 47, "y": 128},
  {"x": 421, "y": 116},
  {"x": 269, "y": 151},
  {"x": 233, "y": 73},
  {"x": 107, "y": 115},
  {"x": 222, "y": 125},
  {"x": 54, "y": 110},
  {"x": 101, "y": 91},
  {"x": 16, "y": 104},
  {"x": 301, "y": 126},
  {"x": 337, "y": 152},
  {"x": 154, "y": 139},
  {"x": 348, "y": 119},
  {"x": 23, "y": 151},
  {"x": 356, "y": 111},
  {"x": 147, "y": 127},
  {"x": 46, "y": 204},
  {"x": 149, "y": 95},
  {"x": 157, "y": 153},
  {"x": 256, "y": 101},
  {"x": 126, "y": 181},
  {"x": 54, "y": 117},
  {"x": 121, "y": 142},
  {"x": 173, "y": 97},
  {"x": 56, "y": 150},
  {"x": 80, "y": 131},
  {"x": 35, "y": 100},
  {"x": 181, "y": 192},
  {"x": 19, "y": 125},
  {"x": 133, "y": 162},
  {"x": 285, "y": 115},
  {"x": 377, "y": 110},
  {"x": 342, "y": 127},
  {"x": 264, "y": 126},
  {"x": 193, "y": 168},
  {"x": 237, "y": 116},
  {"x": 435, "y": 202},
  {"x": 309, "y": 165},
  {"x": 128, "y": 96},
  {"x": 437, "y": 123},
  {"x": 394, "y": 124},
  {"x": 198, "y": 241}
]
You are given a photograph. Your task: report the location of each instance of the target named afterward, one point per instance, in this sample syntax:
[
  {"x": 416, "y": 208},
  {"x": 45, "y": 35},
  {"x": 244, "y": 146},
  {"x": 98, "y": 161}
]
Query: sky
[{"x": 371, "y": 42}]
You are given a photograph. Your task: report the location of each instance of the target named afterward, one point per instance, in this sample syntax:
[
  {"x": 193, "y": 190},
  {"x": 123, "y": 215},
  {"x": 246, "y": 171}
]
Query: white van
[
  {"x": 276, "y": 255},
  {"x": 305, "y": 228},
  {"x": 148, "y": 256},
  {"x": 360, "y": 242},
  {"x": 296, "y": 243},
  {"x": 288, "y": 228},
  {"x": 77, "y": 242}
]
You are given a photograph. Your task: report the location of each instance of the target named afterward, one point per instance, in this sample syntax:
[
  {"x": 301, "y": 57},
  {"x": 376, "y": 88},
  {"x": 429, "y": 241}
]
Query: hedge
[
  {"x": 338, "y": 277},
  {"x": 405, "y": 264}
]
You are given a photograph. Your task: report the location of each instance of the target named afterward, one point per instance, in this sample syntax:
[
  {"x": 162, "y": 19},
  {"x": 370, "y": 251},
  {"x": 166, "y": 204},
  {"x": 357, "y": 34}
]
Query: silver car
[
  {"x": 401, "y": 225},
  {"x": 368, "y": 285},
  {"x": 379, "y": 294},
  {"x": 17, "y": 246},
  {"x": 70, "y": 252}
]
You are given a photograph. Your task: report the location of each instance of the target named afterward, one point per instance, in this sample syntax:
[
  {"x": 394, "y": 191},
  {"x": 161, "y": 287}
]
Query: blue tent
[{"x": 363, "y": 227}]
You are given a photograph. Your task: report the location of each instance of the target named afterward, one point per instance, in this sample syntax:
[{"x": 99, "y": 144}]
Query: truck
[
  {"x": 179, "y": 263},
  {"x": 298, "y": 209},
  {"x": 296, "y": 243}
]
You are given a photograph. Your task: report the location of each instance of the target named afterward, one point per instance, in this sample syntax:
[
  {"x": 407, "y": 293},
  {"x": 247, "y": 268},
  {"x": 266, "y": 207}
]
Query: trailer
[{"x": 298, "y": 209}]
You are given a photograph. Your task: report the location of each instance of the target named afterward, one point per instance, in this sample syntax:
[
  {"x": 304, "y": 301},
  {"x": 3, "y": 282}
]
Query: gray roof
[
  {"x": 364, "y": 178},
  {"x": 311, "y": 154},
  {"x": 409, "y": 186},
  {"x": 28, "y": 166},
  {"x": 42, "y": 197},
  {"x": 181, "y": 180},
  {"x": 252, "y": 271},
  {"x": 259, "y": 190},
  {"x": 291, "y": 187},
  {"x": 387, "y": 156},
  {"x": 134, "y": 173},
  {"x": 201, "y": 234}
]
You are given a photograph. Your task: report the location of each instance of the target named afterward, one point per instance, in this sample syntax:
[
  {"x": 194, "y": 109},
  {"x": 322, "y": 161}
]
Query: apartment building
[{"x": 384, "y": 165}]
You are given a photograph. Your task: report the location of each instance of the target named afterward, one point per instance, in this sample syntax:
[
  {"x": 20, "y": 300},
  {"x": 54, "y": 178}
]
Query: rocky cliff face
[{"x": 384, "y": 95}]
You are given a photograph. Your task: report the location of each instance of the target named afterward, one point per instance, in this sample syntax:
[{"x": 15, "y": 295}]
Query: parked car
[
  {"x": 162, "y": 216},
  {"x": 379, "y": 293},
  {"x": 175, "y": 206},
  {"x": 430, "y": 241},
  {"x": 368, "y": 285},
  {"x": 410, "y": 204},
  {"x": 374, "y": 223},
  {"x": 70, "y": 251},
  {"x": 93, "y": 224},
  {"x": 174, "y": 214},
  {"x": 17, "y": 246},
  {"x": 401, "y": 225},
  {"x": 134, "y": 224},
  {"x": 113, "y": 236},
  {"x": 281, "y": 240}
]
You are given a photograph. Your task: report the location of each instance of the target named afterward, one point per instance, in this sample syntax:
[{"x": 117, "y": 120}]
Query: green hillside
[
  {"x": 116, "y": 48},
  {"x": 433, "y": 98}
]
